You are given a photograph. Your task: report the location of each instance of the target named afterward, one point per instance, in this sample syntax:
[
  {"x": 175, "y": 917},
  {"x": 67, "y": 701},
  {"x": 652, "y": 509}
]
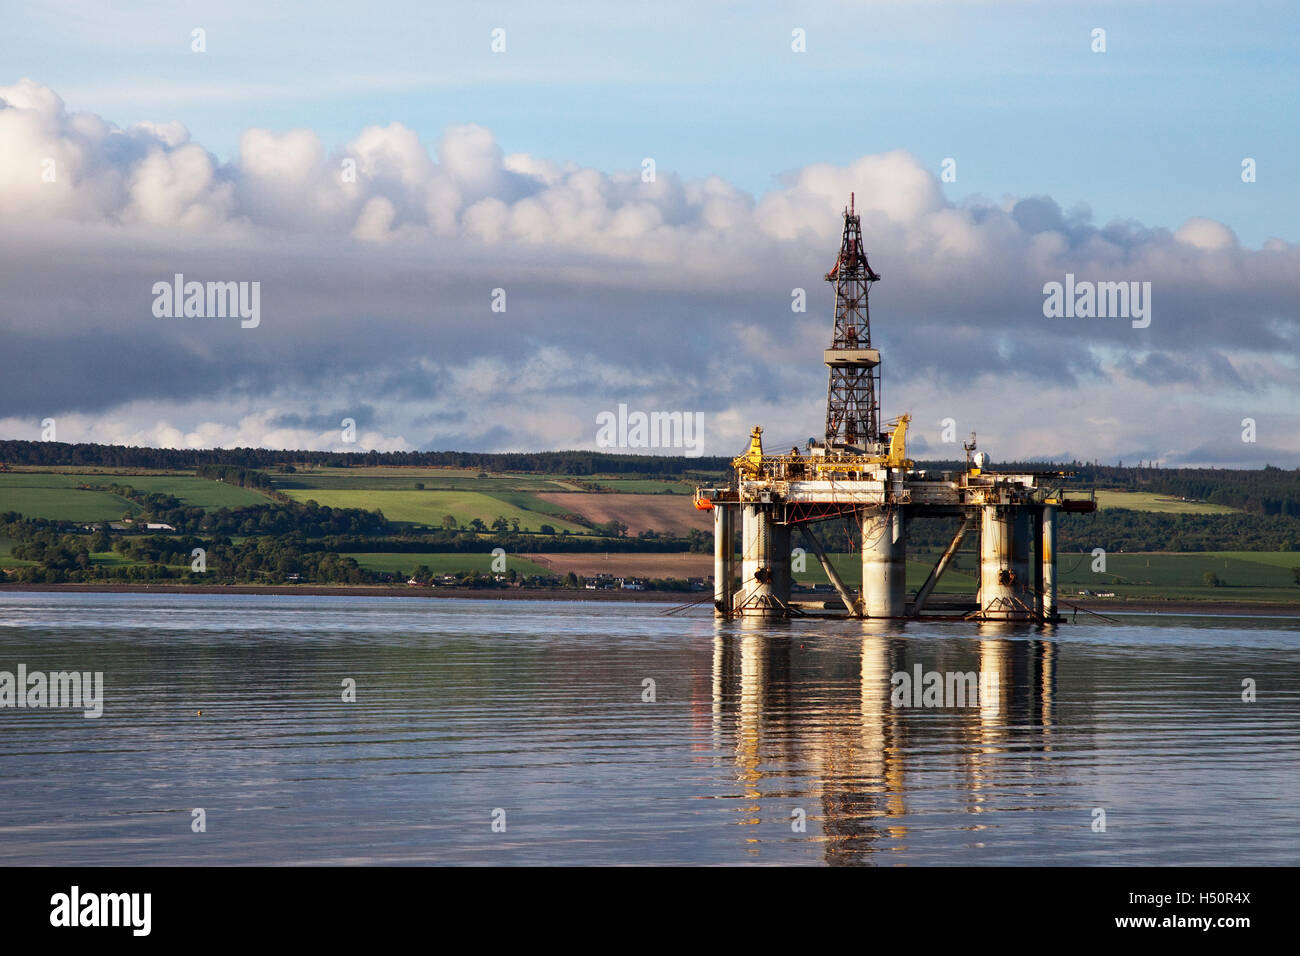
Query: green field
[
  {"x": 196, "y": 492},
  {"x": 1244, "y": 576},
  {"x": 346, "y": 481},
  {"x": 415, "y": 472},
  {"x": 56, "y": 496},
  {"x": 1143, "y": 501},
  {"x": 40, "y": 495},
  {"x": 1193, "y": 594},
  {"x": 646, "y": 486},
  {"x": 528, "y": 502},
  {"x": 428, "y": 507},
  {"x": 1279, "y": 559},
  {"x": 114, "y": 559},
  {"x": 440, "y": 563},
  {"x": 1236, "y": 570}
]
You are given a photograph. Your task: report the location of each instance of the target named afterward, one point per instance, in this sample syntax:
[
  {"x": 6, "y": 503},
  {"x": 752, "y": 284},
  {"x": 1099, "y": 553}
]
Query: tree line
[
  {"x": 56, "y": 454},
  {"x": 1266, "y": 491},
  {"x": 280, "y": 517}
]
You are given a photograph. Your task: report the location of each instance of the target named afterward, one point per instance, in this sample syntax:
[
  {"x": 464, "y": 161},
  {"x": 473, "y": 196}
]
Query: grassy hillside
[
  {"x": 196, "y": 492},
  {"x": 402, "y": 479},
  {"x": 530, "y": 502},
  {"x": 1234, "y": 570},
  {"x": 428, "y": 507},
  {"x": 646, "y": 486},
  {"x": 59, "y": 497},
  {"x": 1162, "y": 504}
]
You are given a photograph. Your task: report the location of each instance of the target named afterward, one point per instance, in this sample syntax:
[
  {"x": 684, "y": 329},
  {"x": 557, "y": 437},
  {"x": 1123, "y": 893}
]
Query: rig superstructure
[{"x": 860, "y": 473}]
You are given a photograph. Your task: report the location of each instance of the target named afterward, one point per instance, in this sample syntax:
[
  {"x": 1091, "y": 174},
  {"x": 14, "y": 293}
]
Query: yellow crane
[
  {"x": 750, "y": 464},
  {"x": 897, "y": 455}
]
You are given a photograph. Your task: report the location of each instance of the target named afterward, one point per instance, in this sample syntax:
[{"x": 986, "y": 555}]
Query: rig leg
[
  {"x": 884, "y": 565},
  {"x": 1047, "y": 556},
  {"x": 1005, "y": 590},
  {"x": 724, "y": 560},
  {"x": 765, "y": 565}
]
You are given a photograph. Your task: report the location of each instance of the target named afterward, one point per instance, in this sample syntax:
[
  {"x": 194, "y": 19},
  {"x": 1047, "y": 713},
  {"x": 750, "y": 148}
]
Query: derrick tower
[{"x": 853, "y": 395}]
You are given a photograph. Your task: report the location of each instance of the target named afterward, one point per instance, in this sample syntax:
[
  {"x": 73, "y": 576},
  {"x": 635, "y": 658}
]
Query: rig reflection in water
[{"x": 876, "y": 766}]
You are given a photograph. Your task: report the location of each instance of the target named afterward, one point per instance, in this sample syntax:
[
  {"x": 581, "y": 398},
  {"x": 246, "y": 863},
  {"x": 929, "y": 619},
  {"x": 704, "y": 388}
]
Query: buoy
[{"x": 200, "y": 713}]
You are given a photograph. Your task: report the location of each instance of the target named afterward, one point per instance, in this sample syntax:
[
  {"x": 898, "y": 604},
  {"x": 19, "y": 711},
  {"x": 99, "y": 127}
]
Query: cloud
[
  {"x": 1206, "y": 234},
  {"x": 378, "y": 262}
]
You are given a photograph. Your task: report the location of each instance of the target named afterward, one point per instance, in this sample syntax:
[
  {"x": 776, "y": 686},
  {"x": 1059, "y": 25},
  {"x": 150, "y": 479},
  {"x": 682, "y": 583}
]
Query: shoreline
[
  {"x": 1139, "y": 606},
  {"x": 372, "y": 590}
]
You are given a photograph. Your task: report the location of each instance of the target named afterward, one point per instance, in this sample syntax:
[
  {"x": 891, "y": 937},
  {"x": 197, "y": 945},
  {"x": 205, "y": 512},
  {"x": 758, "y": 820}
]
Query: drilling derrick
[{"x": 853, "y": 395}]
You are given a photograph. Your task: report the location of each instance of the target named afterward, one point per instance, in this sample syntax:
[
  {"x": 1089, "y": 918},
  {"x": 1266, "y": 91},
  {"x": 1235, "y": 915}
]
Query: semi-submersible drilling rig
[{"x": 861, "y": 474}]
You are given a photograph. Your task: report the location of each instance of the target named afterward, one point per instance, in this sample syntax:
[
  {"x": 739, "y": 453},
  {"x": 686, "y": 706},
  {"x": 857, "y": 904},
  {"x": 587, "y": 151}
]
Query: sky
[{"x": 379, "y": 171}]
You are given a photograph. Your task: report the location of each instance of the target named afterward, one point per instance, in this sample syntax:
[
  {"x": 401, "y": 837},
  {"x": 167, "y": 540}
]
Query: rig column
[
  {"x": 995, "y": 562},
  {"x": 753, "y": 555},
  {"x": 1047, "y": 554},
  {"x": 1005, "y": 588},
  {"x": 884, "y": 565},
  {"x": 765, "y": 564},
  {"x": 760, "y": 556},
  {"x": 724, "y": 559}
]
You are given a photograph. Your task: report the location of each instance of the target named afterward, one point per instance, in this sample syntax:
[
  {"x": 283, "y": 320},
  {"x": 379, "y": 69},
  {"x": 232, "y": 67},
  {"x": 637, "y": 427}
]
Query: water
[{"x": 536, "y": 709}]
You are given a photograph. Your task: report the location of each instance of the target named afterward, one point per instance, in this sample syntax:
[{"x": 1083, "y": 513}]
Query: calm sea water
[{"x": 764, "y": 744}]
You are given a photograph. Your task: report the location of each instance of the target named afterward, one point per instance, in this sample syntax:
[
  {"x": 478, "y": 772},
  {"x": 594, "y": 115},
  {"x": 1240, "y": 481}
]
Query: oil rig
[{"x": 860, "y": 474}]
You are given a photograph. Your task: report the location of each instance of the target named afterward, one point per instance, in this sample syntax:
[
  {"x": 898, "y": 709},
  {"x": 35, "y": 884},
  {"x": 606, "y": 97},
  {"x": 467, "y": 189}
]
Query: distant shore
[
  {"x": 581, "y": 594},
  {"x": 1149, "y": 606},
  {"x": 375, "y": 590}
]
